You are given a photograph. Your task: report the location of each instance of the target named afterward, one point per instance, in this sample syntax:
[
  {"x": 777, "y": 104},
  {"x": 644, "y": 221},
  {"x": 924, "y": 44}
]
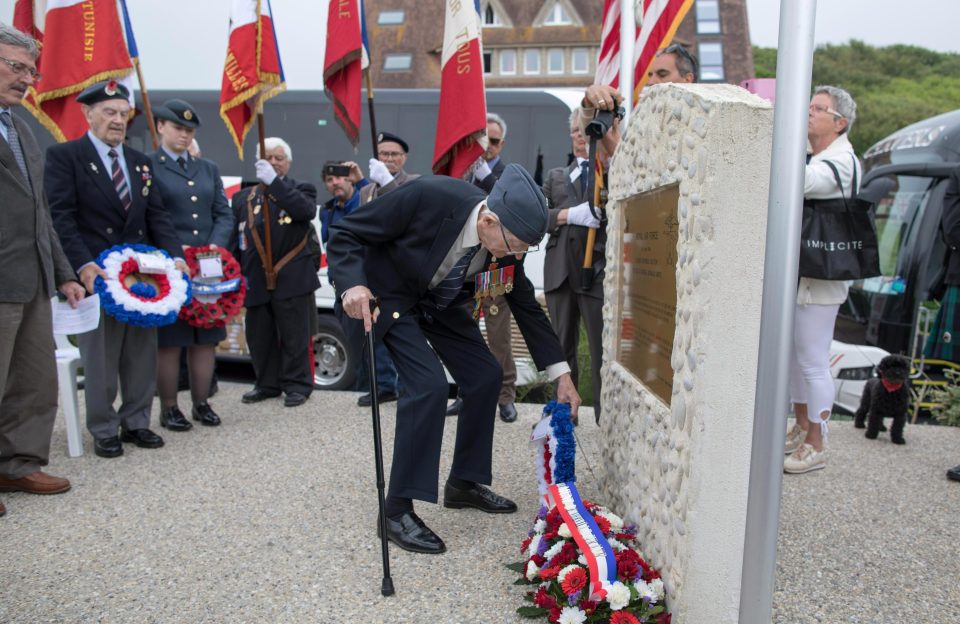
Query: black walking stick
[{"x": 387, "y": 588}]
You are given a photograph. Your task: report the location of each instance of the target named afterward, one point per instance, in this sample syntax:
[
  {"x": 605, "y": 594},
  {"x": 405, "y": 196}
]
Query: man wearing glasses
[
  {"x": 386, "y": 170},
  {"x": 425, "y": 250}
]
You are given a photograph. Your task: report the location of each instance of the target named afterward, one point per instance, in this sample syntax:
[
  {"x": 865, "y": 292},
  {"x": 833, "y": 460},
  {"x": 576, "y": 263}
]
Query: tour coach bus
[
  {"x": 537, "y": 122},
  {"x": 905, "y": 175}
]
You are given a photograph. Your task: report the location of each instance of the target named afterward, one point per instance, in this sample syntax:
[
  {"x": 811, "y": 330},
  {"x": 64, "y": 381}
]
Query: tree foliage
[{"x": 893, "y": 86}]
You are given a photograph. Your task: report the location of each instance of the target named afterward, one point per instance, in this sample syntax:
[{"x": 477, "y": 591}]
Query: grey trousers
[
  {"x": 498, "y": 339},
  {"x": 28, "y": 385},
  {"x": 118, "y": 355},
  {"x": 567, "y": 308}
]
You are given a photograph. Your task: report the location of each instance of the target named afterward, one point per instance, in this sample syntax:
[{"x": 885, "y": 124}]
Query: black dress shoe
[
  {"x": 294, "y": 399},
  {"x": 205, "y": 414},
  {"x": 454, "y": 408},
  {"x": 108, "y": 447},
  {"x": 174, "y": 420},
  {"x": 144, "y": 438},
  {"x": 410, "y": 533},
  {"x": 477, "y": 496},
  {"x": 259, "y": 394},
  {"x": 954, "y": 473},
  {"x": 508, "y": 412},
  {"x": 382, "y": 397}
]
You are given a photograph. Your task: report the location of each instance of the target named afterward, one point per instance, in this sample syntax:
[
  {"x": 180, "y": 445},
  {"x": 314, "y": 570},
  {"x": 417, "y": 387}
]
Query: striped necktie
[
  {"x": 448, "y": 288},
  {"x": 119, "y": 181},
  {"x": 14, "y": 140}
]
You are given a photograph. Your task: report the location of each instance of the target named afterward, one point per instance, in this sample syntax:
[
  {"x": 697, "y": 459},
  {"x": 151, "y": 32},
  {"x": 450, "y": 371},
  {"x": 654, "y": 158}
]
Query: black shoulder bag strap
[{"x": 836, "y": 176}]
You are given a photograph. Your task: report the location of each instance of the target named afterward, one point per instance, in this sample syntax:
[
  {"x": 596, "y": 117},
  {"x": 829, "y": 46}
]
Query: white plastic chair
[{"x": 68, "y": 361}]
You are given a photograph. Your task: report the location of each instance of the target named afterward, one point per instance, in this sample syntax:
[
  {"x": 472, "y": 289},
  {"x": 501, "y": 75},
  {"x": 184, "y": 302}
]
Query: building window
[
  {"x": 579, "y": 61},
  {"x": 490, "y": 17},
  {"x": 531, "y": 61},
  {"x": 557, "y": 16},
  {"x": 487, "y": 62},
  {"x": 390, "y": 18},
  {"x": 555, "y": 61},
  {"x": 397, "y": 62},
  {"x": 708, "y": 17},
  {"x": 711, "y": 62},
  {"x": 508, "y": 62}
]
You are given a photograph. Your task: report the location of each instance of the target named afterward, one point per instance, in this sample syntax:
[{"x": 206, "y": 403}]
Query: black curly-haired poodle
[{"x": 886, "y": 396}]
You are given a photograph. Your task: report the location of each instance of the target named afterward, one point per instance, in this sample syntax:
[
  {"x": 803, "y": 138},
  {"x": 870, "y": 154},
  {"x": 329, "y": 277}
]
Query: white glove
[
  {"x": 482, "y": 170},
  {"x": 379, "y": 173},
  {"x": 581, "y": 215},
  {"x": 265, "y": 172}
]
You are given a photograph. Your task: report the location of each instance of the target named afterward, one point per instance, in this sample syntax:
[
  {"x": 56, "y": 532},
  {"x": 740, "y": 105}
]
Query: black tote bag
[{"x": 838, "y": 240}]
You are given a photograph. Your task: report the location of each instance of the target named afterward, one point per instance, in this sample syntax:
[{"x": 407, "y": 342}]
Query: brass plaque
[{"x": 649, "y": 289}]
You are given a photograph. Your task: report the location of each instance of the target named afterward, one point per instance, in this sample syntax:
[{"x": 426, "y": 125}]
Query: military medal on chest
[{"x": 489, "y": 284}]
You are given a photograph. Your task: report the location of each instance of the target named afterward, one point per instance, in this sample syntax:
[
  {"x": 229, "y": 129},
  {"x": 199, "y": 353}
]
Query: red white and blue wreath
[{"x": 138, "y": 298}]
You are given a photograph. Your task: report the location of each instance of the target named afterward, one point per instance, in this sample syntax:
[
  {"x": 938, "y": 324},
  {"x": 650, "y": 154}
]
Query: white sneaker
[
  {"x": 805, "y": 459},
  {"x": 795, "y": 438}
]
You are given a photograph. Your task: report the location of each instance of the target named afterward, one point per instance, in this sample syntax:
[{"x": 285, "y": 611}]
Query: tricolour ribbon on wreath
[{"x": 556, "y": 476}]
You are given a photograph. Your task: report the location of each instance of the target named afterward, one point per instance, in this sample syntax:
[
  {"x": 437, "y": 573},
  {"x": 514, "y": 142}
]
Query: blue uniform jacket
[{"x": 194, "y": 198}]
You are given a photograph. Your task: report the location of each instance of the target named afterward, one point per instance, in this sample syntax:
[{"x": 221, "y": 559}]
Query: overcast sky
[{"x": 183, "y": 42}]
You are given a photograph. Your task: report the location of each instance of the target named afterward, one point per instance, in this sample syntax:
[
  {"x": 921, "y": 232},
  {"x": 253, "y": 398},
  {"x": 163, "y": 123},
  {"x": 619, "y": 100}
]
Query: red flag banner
[
  {"x": 342, "y": 71},
  {"x": 462, "y": 119},
  {"x": 82, "y": 44},
  {"x": 659, "y": 20},
  {"x": 252, "y": 72}
]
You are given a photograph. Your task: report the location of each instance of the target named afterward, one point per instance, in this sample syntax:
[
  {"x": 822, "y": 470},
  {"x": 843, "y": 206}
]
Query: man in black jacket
[
  {"x": 423, "y": 249},
  {"x": 278, "y": 305}
]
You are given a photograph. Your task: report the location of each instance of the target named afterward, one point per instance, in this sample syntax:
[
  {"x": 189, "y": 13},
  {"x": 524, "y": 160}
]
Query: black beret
[
  {"x": 178, "y": 111},
  {"x": 102, "y": 91},
  {"x": 386, "y": 136},
  {"x": 519, "y": 204}
]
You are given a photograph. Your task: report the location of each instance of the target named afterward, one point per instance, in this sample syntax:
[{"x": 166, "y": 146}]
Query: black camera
[
  {"x": 341, "y": 171},
  {"x": 603, "y": 121}
]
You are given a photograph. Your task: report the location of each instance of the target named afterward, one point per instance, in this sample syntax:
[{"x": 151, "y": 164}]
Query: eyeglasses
[
  {"x": 529, "y": 248},
  {"x": 389, "y": 154},
  {"x": 21, "y": 69},
  {"x": 679, "y": 50},
  {"x": 494, "y": 141},
  {"x": 818, "y": 108}
]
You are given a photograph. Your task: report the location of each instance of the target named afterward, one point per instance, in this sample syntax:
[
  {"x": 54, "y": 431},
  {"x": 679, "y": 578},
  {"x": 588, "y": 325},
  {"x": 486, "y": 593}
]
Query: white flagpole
[
  {"x": 628, "y": 27},
  {"x": 780, "y": 267}
]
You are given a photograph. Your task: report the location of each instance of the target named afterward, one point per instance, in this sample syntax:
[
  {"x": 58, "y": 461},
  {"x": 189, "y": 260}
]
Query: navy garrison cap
[
  {"x": 178, "y": 111},
  {"x": 386, "y": 136},
  {"x": 102, "y": 91},
  {"x": 519, "y": 204}
]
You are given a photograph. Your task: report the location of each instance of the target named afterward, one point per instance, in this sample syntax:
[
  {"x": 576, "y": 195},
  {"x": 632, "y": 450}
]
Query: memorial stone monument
[{"x": 687, "y": 215}]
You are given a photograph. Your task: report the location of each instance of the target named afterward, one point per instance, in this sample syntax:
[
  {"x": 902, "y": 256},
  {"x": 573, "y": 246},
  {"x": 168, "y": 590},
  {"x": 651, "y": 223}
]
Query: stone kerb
[{"x": 681, "y": 471}]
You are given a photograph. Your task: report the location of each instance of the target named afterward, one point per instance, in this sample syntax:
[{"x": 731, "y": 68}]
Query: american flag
[{"x": 659, "y": 20}]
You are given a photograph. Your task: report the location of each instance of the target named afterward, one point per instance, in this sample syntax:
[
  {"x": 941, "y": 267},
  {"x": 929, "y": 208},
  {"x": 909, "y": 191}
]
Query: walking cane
[{"x": 387, "y": 588}]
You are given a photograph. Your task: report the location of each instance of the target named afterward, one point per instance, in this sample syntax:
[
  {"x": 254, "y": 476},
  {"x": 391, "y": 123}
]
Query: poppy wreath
[
  {"x": 210, "y": 314},
  {"x": 141, "y": 299}
]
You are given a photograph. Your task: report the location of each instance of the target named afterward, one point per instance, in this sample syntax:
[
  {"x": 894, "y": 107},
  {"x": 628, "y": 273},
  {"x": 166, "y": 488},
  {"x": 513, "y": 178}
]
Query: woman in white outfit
[{"x": 831, "y": 114}]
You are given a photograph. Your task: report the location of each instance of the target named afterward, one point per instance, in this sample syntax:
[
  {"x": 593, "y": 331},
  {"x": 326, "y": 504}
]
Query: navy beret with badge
[
  {"x": 386, "y": 136},
  {"x": 103, "y": 91},
  {"x": 178, "y": 111}
]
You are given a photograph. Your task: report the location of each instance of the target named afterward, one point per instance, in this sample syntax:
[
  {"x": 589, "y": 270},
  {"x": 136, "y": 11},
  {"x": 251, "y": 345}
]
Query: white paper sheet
[{"x": 85, "y": 318}]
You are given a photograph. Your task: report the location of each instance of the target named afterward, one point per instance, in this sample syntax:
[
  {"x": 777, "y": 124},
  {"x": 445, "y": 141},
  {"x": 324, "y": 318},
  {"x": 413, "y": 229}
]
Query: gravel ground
[{"x": 271, "y": 517}]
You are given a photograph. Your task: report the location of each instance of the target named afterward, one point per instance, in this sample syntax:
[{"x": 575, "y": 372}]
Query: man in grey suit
[
  {"x": 33, "y": 266},
  {"x": 386, "y": 170}
]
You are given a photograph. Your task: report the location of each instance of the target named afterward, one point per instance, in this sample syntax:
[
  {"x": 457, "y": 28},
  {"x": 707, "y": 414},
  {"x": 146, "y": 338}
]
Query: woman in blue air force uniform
[{"x": 192, "y": 192}]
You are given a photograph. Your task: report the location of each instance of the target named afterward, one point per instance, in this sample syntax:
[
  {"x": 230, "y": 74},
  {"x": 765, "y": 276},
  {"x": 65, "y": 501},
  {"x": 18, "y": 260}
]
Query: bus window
[{"x": 897, "y": 213}]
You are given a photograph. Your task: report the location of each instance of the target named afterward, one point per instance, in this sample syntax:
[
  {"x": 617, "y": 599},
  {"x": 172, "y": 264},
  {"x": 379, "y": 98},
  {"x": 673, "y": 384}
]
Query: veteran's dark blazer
[
  {"x": 29, "y": 246},
  {"x": 194, "y": 198},
  {"x": 487, "y": 183},
  {"x": 395, "y": 244},
  {"x": 87, "y": 212},
  {"x": 565, "y": 249},
  {"x": 296, "y": 200}
]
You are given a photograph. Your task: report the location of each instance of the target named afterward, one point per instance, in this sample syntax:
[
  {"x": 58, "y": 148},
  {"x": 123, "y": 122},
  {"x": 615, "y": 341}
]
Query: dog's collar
[{"x": 890, "y": 386}]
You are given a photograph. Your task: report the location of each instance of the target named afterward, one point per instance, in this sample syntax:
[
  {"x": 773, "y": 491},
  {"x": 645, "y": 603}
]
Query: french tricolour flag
[{"x": 462, "y": 119}]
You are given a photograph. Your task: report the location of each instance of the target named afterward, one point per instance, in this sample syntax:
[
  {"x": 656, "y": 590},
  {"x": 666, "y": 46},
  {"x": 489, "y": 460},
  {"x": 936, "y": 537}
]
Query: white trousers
[{"x": 810, "y": 380}]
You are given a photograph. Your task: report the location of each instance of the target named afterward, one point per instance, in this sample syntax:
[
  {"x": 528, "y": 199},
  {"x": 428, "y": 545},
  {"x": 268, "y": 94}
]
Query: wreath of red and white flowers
[
  {"x": 209, "y": 311},
  {"x": 136, "y": 298}
]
